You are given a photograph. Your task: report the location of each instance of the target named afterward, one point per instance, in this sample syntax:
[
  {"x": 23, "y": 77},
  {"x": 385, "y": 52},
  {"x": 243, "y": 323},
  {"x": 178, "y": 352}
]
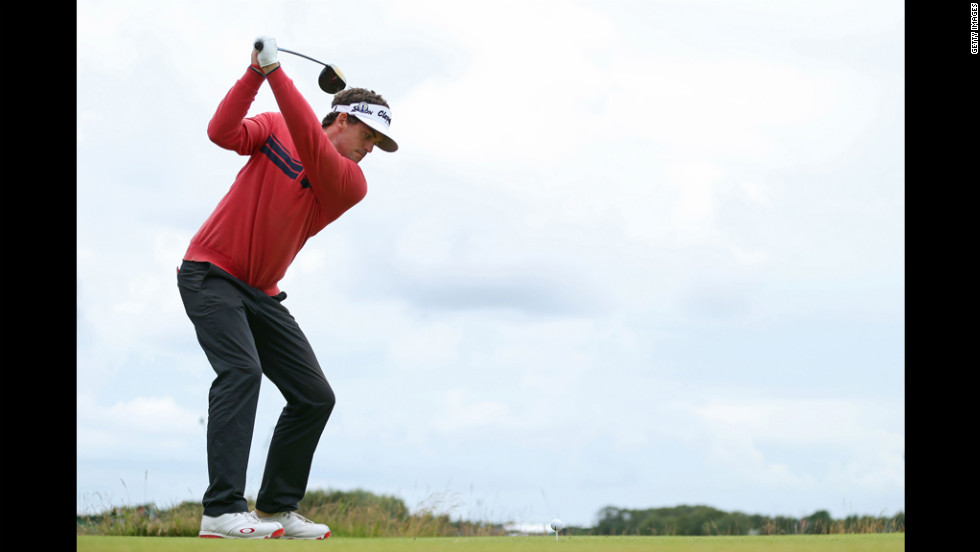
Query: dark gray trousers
[{"x": 245, "y": 333}]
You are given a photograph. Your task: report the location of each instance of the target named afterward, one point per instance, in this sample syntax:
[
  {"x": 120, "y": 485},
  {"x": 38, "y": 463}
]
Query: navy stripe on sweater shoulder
[{"x": 274, "y": 150}]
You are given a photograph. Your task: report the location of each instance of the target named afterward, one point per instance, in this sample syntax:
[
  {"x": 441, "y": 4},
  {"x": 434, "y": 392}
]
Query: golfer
[{"x": 301, "y": 174}]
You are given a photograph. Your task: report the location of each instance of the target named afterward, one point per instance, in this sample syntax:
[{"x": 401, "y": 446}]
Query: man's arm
[
  {"x": 331, "y": 175},
  {"x": 228, "y": 126}
]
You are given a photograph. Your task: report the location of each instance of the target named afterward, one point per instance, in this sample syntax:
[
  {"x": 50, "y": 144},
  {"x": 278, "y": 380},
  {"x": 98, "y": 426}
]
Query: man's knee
[
  {"x": 315, "y": 398},
  {"x": 324, "y": 399},
  {"x": 239, "y": 381}
]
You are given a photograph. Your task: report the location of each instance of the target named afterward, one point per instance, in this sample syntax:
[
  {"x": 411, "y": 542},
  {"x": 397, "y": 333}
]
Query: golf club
[{"x": 331, "y": 79}]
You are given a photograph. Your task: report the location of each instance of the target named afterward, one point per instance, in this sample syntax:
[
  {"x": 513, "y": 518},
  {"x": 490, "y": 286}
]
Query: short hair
[{"x": 352, "y": 96}]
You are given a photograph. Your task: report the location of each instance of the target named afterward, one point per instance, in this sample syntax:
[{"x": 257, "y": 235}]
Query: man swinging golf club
[{"x": 302, "y": 174}]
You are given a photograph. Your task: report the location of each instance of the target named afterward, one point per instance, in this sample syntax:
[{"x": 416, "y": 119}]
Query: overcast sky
[{"x": 629, "y": 253}]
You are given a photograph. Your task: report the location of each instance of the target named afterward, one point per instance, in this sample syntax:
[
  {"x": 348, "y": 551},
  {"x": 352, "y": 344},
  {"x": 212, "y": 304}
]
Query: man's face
[{"x": 354, "y": 140}]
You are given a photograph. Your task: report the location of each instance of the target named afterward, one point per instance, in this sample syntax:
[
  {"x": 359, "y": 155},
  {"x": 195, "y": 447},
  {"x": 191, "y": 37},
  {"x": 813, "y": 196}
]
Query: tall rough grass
[{"x": 351, "y": 514}]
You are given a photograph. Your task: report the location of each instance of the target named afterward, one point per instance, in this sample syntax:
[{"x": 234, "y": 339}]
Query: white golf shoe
[
  {"x": 298, "y": 527},
  {"x": 239, "y": 525}
]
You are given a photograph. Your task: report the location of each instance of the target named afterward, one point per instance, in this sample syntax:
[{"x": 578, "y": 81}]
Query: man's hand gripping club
[{"x": 265, "y": 53}]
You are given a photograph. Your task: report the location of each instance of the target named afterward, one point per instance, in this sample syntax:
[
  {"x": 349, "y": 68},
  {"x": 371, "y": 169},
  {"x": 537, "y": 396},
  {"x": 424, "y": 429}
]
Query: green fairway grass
[{"x": 880, "y": 542}]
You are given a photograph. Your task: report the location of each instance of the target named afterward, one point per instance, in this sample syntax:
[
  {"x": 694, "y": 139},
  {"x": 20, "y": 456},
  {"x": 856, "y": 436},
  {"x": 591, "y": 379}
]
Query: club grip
[{"x": 258, "y": 45}]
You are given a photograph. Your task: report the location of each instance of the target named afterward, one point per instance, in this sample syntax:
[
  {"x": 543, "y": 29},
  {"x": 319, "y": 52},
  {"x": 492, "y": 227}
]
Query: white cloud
[
  {"x": 426, "y": 348},
  {"x": 744, "y": 435},
  {"x": 156, "y": 426}
]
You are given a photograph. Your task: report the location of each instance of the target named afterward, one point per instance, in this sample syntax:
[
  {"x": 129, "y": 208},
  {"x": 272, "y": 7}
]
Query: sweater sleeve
[
  {"x": 228, "y": 127},
  {"x": 336, "y": 180}
]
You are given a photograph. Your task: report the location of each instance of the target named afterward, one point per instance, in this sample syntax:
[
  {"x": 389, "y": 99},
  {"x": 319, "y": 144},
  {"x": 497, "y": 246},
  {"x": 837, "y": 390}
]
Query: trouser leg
[
  {"x": 289, "y": 362},
  {"x": 217, "y": 307}
]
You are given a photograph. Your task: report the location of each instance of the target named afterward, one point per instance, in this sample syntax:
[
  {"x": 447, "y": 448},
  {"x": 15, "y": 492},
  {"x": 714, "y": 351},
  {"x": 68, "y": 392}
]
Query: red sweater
[{"x": 293, "y": 185}]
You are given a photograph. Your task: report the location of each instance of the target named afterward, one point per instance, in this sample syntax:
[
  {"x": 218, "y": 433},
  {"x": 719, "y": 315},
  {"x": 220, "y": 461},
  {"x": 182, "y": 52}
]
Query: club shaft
[
  {"x": 302, "y": 56},
  {"x": 258, "y": 46}
]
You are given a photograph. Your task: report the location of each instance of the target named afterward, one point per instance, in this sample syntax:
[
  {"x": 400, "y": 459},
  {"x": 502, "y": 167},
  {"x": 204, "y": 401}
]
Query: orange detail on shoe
[{"x": 275, "y": 535}]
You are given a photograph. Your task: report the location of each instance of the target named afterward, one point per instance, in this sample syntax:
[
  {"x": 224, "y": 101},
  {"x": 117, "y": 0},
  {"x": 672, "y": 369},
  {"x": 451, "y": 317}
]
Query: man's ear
[{"x": 342, "y": 121}]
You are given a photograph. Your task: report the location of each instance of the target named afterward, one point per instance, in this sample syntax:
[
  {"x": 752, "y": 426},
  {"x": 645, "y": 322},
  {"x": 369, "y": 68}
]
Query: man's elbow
[{"x": 221, "y": 137}]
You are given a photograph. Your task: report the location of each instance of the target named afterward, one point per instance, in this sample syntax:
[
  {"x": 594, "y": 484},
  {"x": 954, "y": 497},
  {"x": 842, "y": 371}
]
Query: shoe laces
[{"x": 299, "y": 517}]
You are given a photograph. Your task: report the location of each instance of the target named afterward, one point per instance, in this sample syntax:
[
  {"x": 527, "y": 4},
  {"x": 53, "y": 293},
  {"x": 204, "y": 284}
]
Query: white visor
[{"x": 378, "y": 117}]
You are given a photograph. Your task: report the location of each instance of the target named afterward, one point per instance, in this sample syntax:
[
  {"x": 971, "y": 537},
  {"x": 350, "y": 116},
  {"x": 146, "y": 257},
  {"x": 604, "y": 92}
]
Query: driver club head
[{"x": 331, "y": 79}]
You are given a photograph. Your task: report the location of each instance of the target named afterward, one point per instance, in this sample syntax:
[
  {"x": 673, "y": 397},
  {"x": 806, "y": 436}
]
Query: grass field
[{"x": 886, "y": 542}]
